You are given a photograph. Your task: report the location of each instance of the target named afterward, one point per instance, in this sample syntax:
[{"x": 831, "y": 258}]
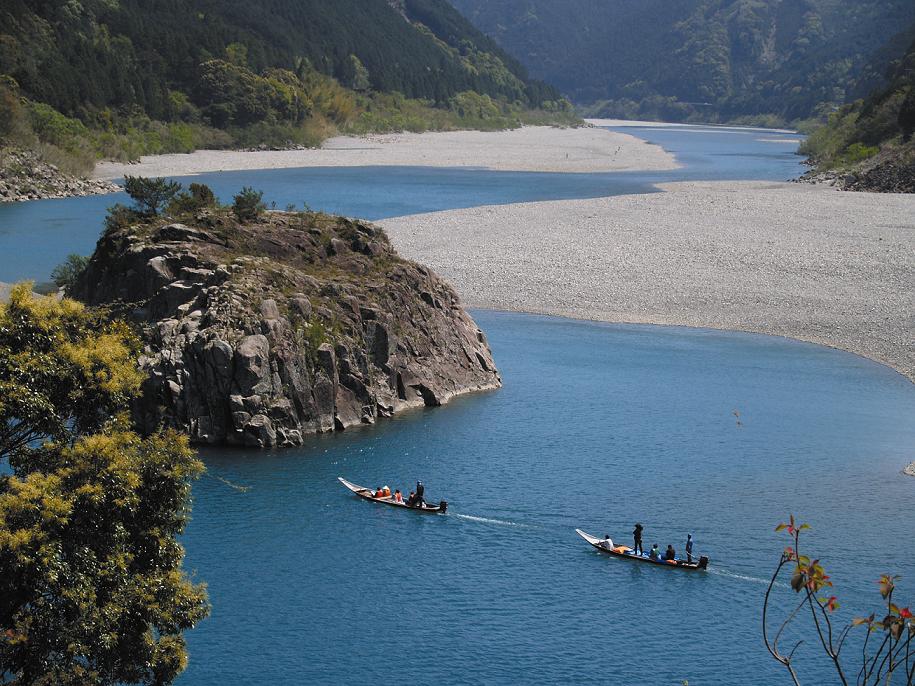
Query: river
[{"x": 598, "y": 426}]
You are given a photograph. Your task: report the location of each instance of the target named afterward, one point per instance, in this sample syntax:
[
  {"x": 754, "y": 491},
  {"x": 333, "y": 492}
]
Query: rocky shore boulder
[
  {"x": 260, "y": 334},
  {"x": 24, "y": 176}
]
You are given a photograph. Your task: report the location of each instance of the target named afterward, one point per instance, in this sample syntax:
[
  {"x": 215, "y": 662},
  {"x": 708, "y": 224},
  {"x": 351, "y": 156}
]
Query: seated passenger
[
  {"x": 387, "y": 492},
  {"x": 379, "y": 492},
  {"x": 398, "y": 496},
  {"x": 670, "y": 554},
  {"x": 654, "y": 554},
  {"x": 607, "y": 544},
  {"x": 411, "y": 499}
]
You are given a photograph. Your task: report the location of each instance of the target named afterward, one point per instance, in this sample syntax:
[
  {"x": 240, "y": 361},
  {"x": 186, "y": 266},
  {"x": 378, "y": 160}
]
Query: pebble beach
[
  {"x": 533, "y": 148},
  {"x": 806, "y": 262}
]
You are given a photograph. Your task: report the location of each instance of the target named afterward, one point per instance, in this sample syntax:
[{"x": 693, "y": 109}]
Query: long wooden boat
[
  {"x": 629, "y": 554},
  {"x": 366, "y": 493}
]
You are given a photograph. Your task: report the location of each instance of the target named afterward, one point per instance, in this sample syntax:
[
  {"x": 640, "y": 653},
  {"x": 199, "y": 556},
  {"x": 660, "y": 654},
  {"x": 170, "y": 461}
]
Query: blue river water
[
  {"x": 597, "y": 426},
  {"x": 39, "y": 235}
]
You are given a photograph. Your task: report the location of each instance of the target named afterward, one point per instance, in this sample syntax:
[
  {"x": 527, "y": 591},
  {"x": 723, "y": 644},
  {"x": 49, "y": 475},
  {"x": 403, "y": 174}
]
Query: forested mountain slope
[
  {"x": 710, "y": 59},
  {"x": 123, "y": 77},
  {"x": 132, "y": 52},
  {"x": 871, "y": 140}
]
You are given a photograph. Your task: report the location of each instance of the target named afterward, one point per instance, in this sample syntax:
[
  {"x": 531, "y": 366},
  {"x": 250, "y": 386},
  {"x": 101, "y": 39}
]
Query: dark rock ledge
[{"x": 260, "y": 334}]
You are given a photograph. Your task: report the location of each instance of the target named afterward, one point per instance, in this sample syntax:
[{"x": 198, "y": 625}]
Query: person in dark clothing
[
  {"x": 418, "y": 499},
  {"x": 689, "y": 547},
  {"x": 670, "y": 554},
  {"x": 637, "y": 539}
]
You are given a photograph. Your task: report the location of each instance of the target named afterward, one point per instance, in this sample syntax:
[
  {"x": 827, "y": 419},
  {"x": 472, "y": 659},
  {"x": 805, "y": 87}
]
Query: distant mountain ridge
[{"x": 709, "y": 59}]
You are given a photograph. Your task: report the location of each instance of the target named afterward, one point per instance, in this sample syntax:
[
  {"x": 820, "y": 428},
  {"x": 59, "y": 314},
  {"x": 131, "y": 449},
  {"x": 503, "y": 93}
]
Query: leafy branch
[{"x": 893, "y": 654}]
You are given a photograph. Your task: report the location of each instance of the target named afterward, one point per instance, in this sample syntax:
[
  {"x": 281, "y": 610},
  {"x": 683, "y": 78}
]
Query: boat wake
[
  {"x": 488, "y": 520},
  {"x": 744, "y": 577}
]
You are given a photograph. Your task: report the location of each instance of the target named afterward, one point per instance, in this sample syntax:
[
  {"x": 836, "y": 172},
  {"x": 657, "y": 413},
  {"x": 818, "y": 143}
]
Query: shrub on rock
[
  {"x": 248, "y": 205},
  {"x": 150, "y": 195}
]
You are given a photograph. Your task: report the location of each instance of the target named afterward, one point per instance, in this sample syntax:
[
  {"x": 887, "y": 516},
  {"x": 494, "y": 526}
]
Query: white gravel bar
[
  {"x": 806, "y": 262},
  {"x": 532, "y": 148}
]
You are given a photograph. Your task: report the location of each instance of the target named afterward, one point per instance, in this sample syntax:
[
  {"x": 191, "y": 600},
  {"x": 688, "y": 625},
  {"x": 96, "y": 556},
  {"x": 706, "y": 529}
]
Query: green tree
[
  {"x": 197, "y": 197},
  {"x": 11, "y": 114},
  {"x": 237, "y": 54},
  {"x": 248, "y": 204},
  {"x": 150, "y": 194},
  {"x": 67, "y": 272},
  {"x": 358, "y": 75},
  {"x": 91, "y": 583}
]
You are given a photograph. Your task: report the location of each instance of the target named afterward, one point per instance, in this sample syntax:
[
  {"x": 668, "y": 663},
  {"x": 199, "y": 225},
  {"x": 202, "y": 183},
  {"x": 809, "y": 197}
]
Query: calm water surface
[
  {"x": 597, "y": 426},
  {"x": 36, "y": 236}
]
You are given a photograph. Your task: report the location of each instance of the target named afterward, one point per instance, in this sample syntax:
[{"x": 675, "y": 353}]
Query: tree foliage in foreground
[
  {"x": 887, "y": 649},
  {"x": 92, "y": 589}
]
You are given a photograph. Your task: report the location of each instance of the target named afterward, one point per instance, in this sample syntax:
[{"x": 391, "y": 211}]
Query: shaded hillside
[
  {"x": 709, "y": 59},
  {"x": 871, "y": 140},
  {"x": 94, "y": 53},
  {"x": 82, "y": 79}
]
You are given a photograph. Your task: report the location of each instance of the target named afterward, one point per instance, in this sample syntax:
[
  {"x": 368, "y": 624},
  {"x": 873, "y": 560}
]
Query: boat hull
[{"x": 366, "y": 494}]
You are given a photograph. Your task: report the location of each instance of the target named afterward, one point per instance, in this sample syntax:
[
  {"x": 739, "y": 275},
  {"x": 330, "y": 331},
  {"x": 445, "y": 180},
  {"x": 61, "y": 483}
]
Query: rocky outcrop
[
  {"x": 890, "y": 176},
  {"x": 261, "y": 334},
  {"x": 24, "y": 176},
  {"x": 891, "y": 171}
]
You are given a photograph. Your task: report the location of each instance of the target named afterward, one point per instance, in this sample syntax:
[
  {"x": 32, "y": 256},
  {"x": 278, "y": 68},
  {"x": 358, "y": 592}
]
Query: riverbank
[
  {"x": 24, "y": 176},
  {"x": 783, "y": 259},
  {"x": 532, "y": 148}
]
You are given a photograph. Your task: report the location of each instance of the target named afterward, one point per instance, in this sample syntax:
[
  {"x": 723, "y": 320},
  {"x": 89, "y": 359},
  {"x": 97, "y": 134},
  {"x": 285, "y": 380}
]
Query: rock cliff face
[{"x": 260, "y": 334}]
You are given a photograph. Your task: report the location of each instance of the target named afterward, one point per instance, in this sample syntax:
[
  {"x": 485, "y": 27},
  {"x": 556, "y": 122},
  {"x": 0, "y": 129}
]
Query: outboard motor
[
  {"x": 443, "y": 505},
  {"x": 703, "y": 562}
]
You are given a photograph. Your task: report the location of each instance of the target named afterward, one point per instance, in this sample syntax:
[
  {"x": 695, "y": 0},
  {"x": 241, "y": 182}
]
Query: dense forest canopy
[
  {"x": 875, "y": 135},
  {"x": 88, "y": 79},
  {"x": 103, "y": 53},
  {"x": 710, "y": 59}
]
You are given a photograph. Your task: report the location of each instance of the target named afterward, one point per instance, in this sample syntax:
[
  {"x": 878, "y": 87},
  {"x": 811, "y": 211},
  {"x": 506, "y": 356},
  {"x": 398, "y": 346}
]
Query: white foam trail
[
  {"x": 744, "y": 577},
  {"x": 487, "y": 520}
]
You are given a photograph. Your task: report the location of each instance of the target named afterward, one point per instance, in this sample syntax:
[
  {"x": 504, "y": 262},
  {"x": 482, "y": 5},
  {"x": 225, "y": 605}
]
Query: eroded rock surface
[{"x": 260, "y": 334}]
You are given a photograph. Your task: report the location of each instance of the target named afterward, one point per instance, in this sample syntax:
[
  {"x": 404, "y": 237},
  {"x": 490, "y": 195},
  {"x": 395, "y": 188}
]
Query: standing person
[
  {"x": 419, "y": 494},
  {"x": 689, "y": 547},
  {"x": 637, "y": 539}
]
